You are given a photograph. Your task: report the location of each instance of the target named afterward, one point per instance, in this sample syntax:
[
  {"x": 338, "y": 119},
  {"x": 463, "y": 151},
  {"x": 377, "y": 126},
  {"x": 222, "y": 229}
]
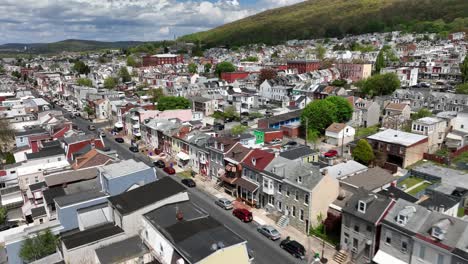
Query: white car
[{"x": 224, "y": 203}]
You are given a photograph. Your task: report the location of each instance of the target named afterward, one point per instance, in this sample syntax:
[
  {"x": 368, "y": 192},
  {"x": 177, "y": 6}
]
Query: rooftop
[
  {"x": 122, "y": 251},
  {"x": 376, "y": 205},
  {"x": 336, "y": 127},
  {"x": 46, "y": 152},
  {"x": 73, "y": 240},
  {"x": 371, "y": 179},
  {"x": 345, "y": 169},
  {"x": 122, "y": 168},
  {"x": 397, "y": 137},
  {"x": 429, "y": 120},
  {"x": 296, "y": 153},
  {"x": 448, "y": 176},
  {"x": 70, "y": 176}
]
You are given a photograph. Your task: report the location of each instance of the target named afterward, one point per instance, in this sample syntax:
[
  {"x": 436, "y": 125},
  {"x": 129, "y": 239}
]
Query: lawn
[
  {"x": 420, "y": 188},
  {"x": 410, "y": 181}
]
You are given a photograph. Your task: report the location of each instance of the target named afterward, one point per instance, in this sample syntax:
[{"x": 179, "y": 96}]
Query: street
[{"x": 264, "y": 250}]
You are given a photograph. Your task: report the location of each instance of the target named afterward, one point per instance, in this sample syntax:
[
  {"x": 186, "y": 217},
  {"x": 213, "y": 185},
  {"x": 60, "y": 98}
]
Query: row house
[
  {"x": 408, "y": 76},
  {"x": 432, "y": 127},
  {"x": 199, "y": 154},
  {"x": 354, "y": 71},
  {"x": 218, "y": 147},
  {"x": 275, "y": 92},
  {"x": 438, "y": 101},
  {"x": 366, "y": 113}
]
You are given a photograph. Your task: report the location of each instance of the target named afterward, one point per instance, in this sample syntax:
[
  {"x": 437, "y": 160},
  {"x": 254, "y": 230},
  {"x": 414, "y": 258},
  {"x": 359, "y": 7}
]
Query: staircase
[
  {"x": 340, "y": 257},
  {"x": 283, "y": 221}
]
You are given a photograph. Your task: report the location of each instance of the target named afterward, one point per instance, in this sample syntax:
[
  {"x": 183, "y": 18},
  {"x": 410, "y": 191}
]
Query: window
[
  {"x": 287, "y": 192},
  {"x": 271, "y": 200},
  {"x": 296, "y": 195},
  {"x": 346, "y": 238},
  {"x": 356, "y": 228},
  {"x": 422, "y": 251},
  {"x": 362, "y": 207},
  {"x": 440, "y": 259},
  {"x": 369, "y": 228},
  {"x": 355, "y": 244},
  {"x": 306, "y": 199},
  {"x": 388, "y": 238},
  {"x": 299, "y": 179},
  {"x": 279, "y": 188},
  {"x": 293, "y": 213},
  {"x": 280, "y": 206},
  {"x": 404, "y": 246},
  {"x": 301, "y": 214}
]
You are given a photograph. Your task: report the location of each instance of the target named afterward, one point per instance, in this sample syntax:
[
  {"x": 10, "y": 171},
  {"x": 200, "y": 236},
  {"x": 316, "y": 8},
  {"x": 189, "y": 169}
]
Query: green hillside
[{"x": 337, "y": 18}]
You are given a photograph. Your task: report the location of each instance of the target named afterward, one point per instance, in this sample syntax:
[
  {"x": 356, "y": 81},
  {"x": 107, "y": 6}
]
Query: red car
[
  {"x": 243, "y": 214},
  {"x": 331, "y": 153},
  {"x": 169, "y": 170}
]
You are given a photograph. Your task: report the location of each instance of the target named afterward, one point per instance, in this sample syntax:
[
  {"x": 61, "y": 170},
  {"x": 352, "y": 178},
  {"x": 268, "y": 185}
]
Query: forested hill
[{"x": 337, "y": 18}]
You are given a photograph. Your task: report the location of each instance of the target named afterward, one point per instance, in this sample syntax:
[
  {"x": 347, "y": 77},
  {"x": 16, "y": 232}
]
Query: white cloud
[{"x": 52, "y": 20}]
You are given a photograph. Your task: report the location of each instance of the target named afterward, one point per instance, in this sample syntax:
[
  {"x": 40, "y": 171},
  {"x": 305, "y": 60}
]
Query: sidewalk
[{"x": 312, "y": 244}]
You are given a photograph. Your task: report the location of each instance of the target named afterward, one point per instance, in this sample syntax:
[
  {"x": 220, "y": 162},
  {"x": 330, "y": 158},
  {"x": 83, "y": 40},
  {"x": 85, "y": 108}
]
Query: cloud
[{"x": 53, "y": 20}]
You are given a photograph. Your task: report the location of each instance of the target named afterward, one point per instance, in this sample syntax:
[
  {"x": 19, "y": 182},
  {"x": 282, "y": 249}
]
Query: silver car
[
  {"x": 269, "y": 232},
  {"x": 224, "y": 203}
]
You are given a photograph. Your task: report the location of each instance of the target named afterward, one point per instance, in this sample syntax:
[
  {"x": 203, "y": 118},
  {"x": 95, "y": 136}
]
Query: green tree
[
  {"x": 224, "y": 66},
  {"x": 363, "y": 152},
  {"x": 320, "y": 51},
  {"x": 3, "y": 215},
  {"x": 208, "y": 67},
  {"x": 379, "y": 84},
  {"x": 110, "y": 83},
  {"x": 379, "y": 62},
  {"x": 173, "y": 102},
  {"x": 156, "y": 94},
  {"x": 464, "y": 69},
  {"x": 84, "y": 82},
  {"x": 231, "y": 113},
  {"x": 16, "y": 74},
  {"x": 131, "y": 61},
  {"x": 251, "y": 59},
  {"x": 9, "y": 158},
  {"x": 462, "y": 88},
  {"x": 339, "y": 83},
  {"x": 318, "y": 115},
  {"x": 344, "y": 109},
  {"x": 423, "y": 112},
  {"x": 238, "y": 129},
  {"x": 124, "y": 74},
  {"x": 6, "y": 134},
  {"x": 89, "y": 110},
  {"x": 81, "y": 68},
  {"x": 40, "y": 246},
  {"x": 192, "y": 68}
]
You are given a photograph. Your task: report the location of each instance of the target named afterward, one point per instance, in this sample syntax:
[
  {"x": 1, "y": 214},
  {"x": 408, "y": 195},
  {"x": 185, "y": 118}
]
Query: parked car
[
  {"x": 169, "y": 170},
  {"x": 276, "y": 141},
  {"x": 291, "y": 143},
  {"x": 331, "y": 153},
  {"x": 189, "y": 183},
  {"x": 243, "y": 214},
  {"x": 224, "y": 203},
  {"x": 119, "y": 140},
  {"x": 159, "y": 164},
  {"x": 133, "y": 149},
  {"x": 293, "y": 247},
  {"x": 269, "y": 232},
  {"x": 91, "y": 127}
]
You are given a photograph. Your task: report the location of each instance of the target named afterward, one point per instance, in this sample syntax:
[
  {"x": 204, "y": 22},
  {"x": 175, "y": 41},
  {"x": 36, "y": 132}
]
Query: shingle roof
[
  {"x": 371, "y": 179},
  {"x": 46, "y": 152},
  {"x": 145, "y": 195},
  {"x": 38, "y": 211},
  {"x": 296, "y": 153},
  {"x": 336, "y": 127},
  {"x": 376, "y": 205},
  {"x": 85, "y": 237},
  {"x": 121, "y": 251},
  {"x": 70, "y": 176}
]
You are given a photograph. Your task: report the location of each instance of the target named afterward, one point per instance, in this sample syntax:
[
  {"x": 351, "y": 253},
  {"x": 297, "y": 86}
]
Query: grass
[
  {"x": 317, "y": 232},
  {"x": 366, "y": 131},
  {"x": 410, "y": 181},
  {"x": 420, "y": 188}
]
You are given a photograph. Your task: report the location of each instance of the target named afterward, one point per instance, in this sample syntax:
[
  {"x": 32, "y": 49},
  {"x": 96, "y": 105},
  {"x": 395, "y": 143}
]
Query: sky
[{"x": 32, "y": 21}]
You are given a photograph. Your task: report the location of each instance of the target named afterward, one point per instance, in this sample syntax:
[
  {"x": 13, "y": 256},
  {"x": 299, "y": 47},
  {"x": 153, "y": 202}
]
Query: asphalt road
[{"x": 264, "y": 250}]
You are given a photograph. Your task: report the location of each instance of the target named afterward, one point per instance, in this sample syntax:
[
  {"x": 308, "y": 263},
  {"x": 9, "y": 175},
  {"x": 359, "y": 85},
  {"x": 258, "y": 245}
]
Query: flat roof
[
  {"x": 79, "y": 197},
  {"x": 73, "y": 240},
  {"x": 121, "y": 251},
  {"x": 122, "y": 168},
  {"x": 448, "y": 176},
  {"x": 397, "y": 137}
]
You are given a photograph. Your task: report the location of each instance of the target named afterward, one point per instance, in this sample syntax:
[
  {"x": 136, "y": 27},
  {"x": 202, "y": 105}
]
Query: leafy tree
[
  {"x": 16, "y": 74},
  {"x": 2, "y": 70},
  {"x": 192, "y": 68},
  {"x": 103, "y": 59},
  {"x": 363, "y": 152},
  {"x": 339, "y": 83},
  {"x": 318, "y": 115},
  {"x": 251, "y": 59},
  {"x": 197, "y": 50},
  {"x": 173, "y": 102},
  {"x": 9, "y": 158},
  {"x": 40, "y": 246},
  {"x": 423, "y": 112},
  {"x": 379, "y": 62},
  {"x": 131, "y": 61},
  {"x": 464, "y": 69},
  {"x": 124, "y": 74},
  {"x": 238, "y": 129},
  {"x": 3, "y": 215},
  {"x": 224, "y": 66},
  {"x": 231, "y": 113},
  {"x": 462, "y": 88},
  {"x": 344, "y": 110},
  {"x": 380, "y": 84},
  {"x": 156, "y": 94},
  {"x": 313, "y": 136},
  {"x": 255, "y": 115},
  {"x": 208, "y": 67},
  {"x": 89, "y": 110},
  {"x": 81, "y": 68},
  {"x": 6, "y": 134},
  {"x": 110, "y": 83},
  {"x": 266, "y": 74},
  {"x": 84, "y": 82},
  {"x": 320, "y": 52}
]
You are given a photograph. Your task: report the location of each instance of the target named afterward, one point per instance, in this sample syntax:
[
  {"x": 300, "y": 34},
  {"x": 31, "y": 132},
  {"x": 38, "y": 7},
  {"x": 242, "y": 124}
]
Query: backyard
[
  {"x": 419, "y": 188},
  {"x": 410, "y": 182}
]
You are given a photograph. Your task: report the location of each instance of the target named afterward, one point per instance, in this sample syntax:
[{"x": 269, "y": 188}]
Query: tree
[
  {"x": 379, "y": 62},
  {"x": 464, "y": 69},
  {"x": 379, "y": 84},
  {"x": 84, "y": 82},
  {"x": 208, "y": 67},
  {"x": 251, "y": 59},
  {"x": 124, "y": 74},
  {"x": 110, "y": 83},
  {"x": 339, "y": 83},
  {"x": 224, "y": 66},
  {"x": 156, "y": 94},
  {"x": 238, "y": 129},
  {"x": 131, "y": 62},
  {"x": 462, "y": 88},
  {"x": 173, "y": 102},
  {"x": 16, "y": 74},
  {"x": 2, "y": 70},
  {"x": 320, "y": 52},
  {"x": 192, "y": 68},
  {"x": 9, "y": 158},
  {"x": 423, "y": 112},
  {"x": 89, "y": 110},
  {"x": 40, "y": 246},
  {"x": 344, "y": 109},
  {"x": 80, "y": 67},
  {"x": 363, "y": 152},
  {"x": 3, "y": 215},
  {"x": 318, "y": 115},
  {"x": 6, "y": 134},
  {"x": 230, "y": 112},
  {"x": 266, "y": 74}
]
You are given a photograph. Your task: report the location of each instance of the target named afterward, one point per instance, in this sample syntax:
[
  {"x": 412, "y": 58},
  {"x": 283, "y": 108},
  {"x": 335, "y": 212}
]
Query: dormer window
[
  {"x": 362, "y": 207},
  {"x": 437, "y": 233},
  {"x": 299, "y": 179},
  {"x": 254, "y": 161},
  {"x": 402, "y": 219}
]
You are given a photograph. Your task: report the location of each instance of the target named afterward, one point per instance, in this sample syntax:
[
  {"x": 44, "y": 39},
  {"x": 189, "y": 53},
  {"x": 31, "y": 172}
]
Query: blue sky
[{"x": 31, "y": 21}]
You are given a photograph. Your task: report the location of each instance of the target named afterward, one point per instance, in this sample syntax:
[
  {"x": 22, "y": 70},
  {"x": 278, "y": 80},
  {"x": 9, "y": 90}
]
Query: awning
[
  {"x": 248, "y": 185},
  {"x": 384, "y": 258},
  {"x": 118, "y": 125},
  {"x": 183, "y": 156}
]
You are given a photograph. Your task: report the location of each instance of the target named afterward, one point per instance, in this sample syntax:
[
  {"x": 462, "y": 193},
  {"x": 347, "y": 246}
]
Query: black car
[
  {"x": 293, "y": 247},
  {"x": 189, "y": 182},
  {"x": 159, "y": 164},
  {"x": 119, "y": 140},
  {"x": 133, "y": 149}
]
